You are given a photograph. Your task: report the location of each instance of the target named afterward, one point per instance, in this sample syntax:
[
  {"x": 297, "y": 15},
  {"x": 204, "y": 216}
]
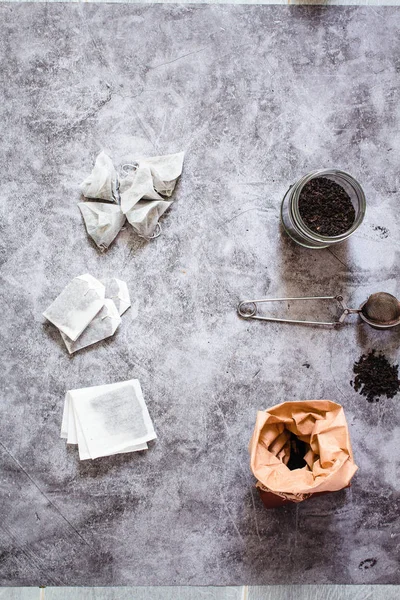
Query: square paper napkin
[{"x": 107, "y": 419}]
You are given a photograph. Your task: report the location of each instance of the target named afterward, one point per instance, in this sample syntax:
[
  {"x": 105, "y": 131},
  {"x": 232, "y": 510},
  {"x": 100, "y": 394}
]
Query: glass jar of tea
[{"x": 323, "y": 208}]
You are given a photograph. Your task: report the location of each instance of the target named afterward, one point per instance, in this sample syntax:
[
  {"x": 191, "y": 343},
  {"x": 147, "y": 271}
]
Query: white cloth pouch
[{"x": 77, "y": 305}]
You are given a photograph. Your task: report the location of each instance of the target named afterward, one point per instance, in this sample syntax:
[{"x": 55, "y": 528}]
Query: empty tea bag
[
  {"x": 144, "y": 216},
  {"x": 77, "y": 305},
  {"x": 137, "y": 185},
  {"x": 102, "y": 182},
  {"x": 117, "y": 290},
  {"x": 106, "y": 420},
  {"x": 72, "y": 432},
  {"x": 104, "y": 325},
  {"x": 165, "y": 171},
  {"x": 103, "y": 222}
]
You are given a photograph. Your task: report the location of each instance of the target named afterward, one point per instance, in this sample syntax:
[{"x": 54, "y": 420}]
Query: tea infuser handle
[
  {"x": 251, "y": 312},
  {"x": 346, "y": 310}
]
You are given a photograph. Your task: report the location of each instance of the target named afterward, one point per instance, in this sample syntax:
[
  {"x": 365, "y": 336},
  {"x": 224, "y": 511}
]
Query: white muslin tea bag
[
  {"x": 107, "y": 419},
  {"x": 103, "y": 222},
  {"x": 140, "y": 194},
  {"x": 137, "y": 185},
  {"x": 77, "y": 305},
  {"x": 102, "y": 182},
  {"x": 145, "y": 215},
  {"x": 165, "y": 171},
  {"x": 117, "y": 290},
  {"x": 104, "y": 325}
]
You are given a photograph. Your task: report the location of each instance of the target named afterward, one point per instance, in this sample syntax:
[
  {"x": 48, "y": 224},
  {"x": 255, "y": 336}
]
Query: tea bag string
[
  {"x": 157, "y": 232},
  {"x": 90, "y": 289},
  {"x": 116, "y": 193},
  {"x": 129, "y": 167},
  {"x": 107, "y": 316},
  {"x": 126, "y": 169}
]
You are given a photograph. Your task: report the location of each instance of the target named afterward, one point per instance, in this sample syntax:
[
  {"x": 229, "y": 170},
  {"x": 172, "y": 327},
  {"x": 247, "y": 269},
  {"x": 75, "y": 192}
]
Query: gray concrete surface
[
  {"x": 256, "y": 96},
  {"x": 277, "y": 2},
  {"x": 272, "y": 592}
]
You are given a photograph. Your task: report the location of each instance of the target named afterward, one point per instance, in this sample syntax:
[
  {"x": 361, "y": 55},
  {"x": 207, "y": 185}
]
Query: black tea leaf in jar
[
  {"x": 326, "y": 207},
  {"x": 332, "y": 201}
]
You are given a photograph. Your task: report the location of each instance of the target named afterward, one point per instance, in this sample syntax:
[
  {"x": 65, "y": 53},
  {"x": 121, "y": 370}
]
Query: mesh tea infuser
[{"x": 380, "y": 310}]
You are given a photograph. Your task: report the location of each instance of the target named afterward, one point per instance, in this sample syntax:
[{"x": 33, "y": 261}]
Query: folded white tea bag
[
  {"x": 117, "y": 290},
  {"x": 102, "y": 182},
  {"x": 137, "y": 185},
  {"x": 165, "y": 171},
  {"x": 103, "y": 325},
  {"x": 77, "y": 305},
  {"x": 107, "y": 419},
  {"x": 103, "y": 221},
  {"x": 145, "y": 214},
  {"x": 72, "y": 432}
]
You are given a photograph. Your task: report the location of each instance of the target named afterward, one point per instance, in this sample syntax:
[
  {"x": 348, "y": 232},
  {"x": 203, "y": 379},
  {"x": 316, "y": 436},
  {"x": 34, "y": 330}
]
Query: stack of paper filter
[
  {"x": 138, "y": 195},
  {"x": 107, "y": 419},
  {"x": 89, "y": 310}
]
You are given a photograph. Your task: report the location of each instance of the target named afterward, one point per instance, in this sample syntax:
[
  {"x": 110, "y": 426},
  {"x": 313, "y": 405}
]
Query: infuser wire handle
[{"x": 253, "y": 312}]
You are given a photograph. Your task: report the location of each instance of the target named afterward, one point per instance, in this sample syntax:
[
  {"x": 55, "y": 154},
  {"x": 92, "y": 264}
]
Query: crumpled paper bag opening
[{"x": 322, "y": 426}]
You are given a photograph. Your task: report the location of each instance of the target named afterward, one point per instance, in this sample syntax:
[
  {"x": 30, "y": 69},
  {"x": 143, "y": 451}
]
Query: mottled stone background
[{"x": 256, "y": 96}]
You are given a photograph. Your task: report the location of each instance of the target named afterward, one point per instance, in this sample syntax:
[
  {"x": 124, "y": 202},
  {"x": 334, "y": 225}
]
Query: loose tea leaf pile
[
  {"x": 375, "y": 377},
  {"x": 325, "y": 207},
  {"x": 298, "y": 449}
]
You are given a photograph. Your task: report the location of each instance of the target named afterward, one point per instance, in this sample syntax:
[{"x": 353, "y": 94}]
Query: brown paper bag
[{"x": 321, "y": 424}]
